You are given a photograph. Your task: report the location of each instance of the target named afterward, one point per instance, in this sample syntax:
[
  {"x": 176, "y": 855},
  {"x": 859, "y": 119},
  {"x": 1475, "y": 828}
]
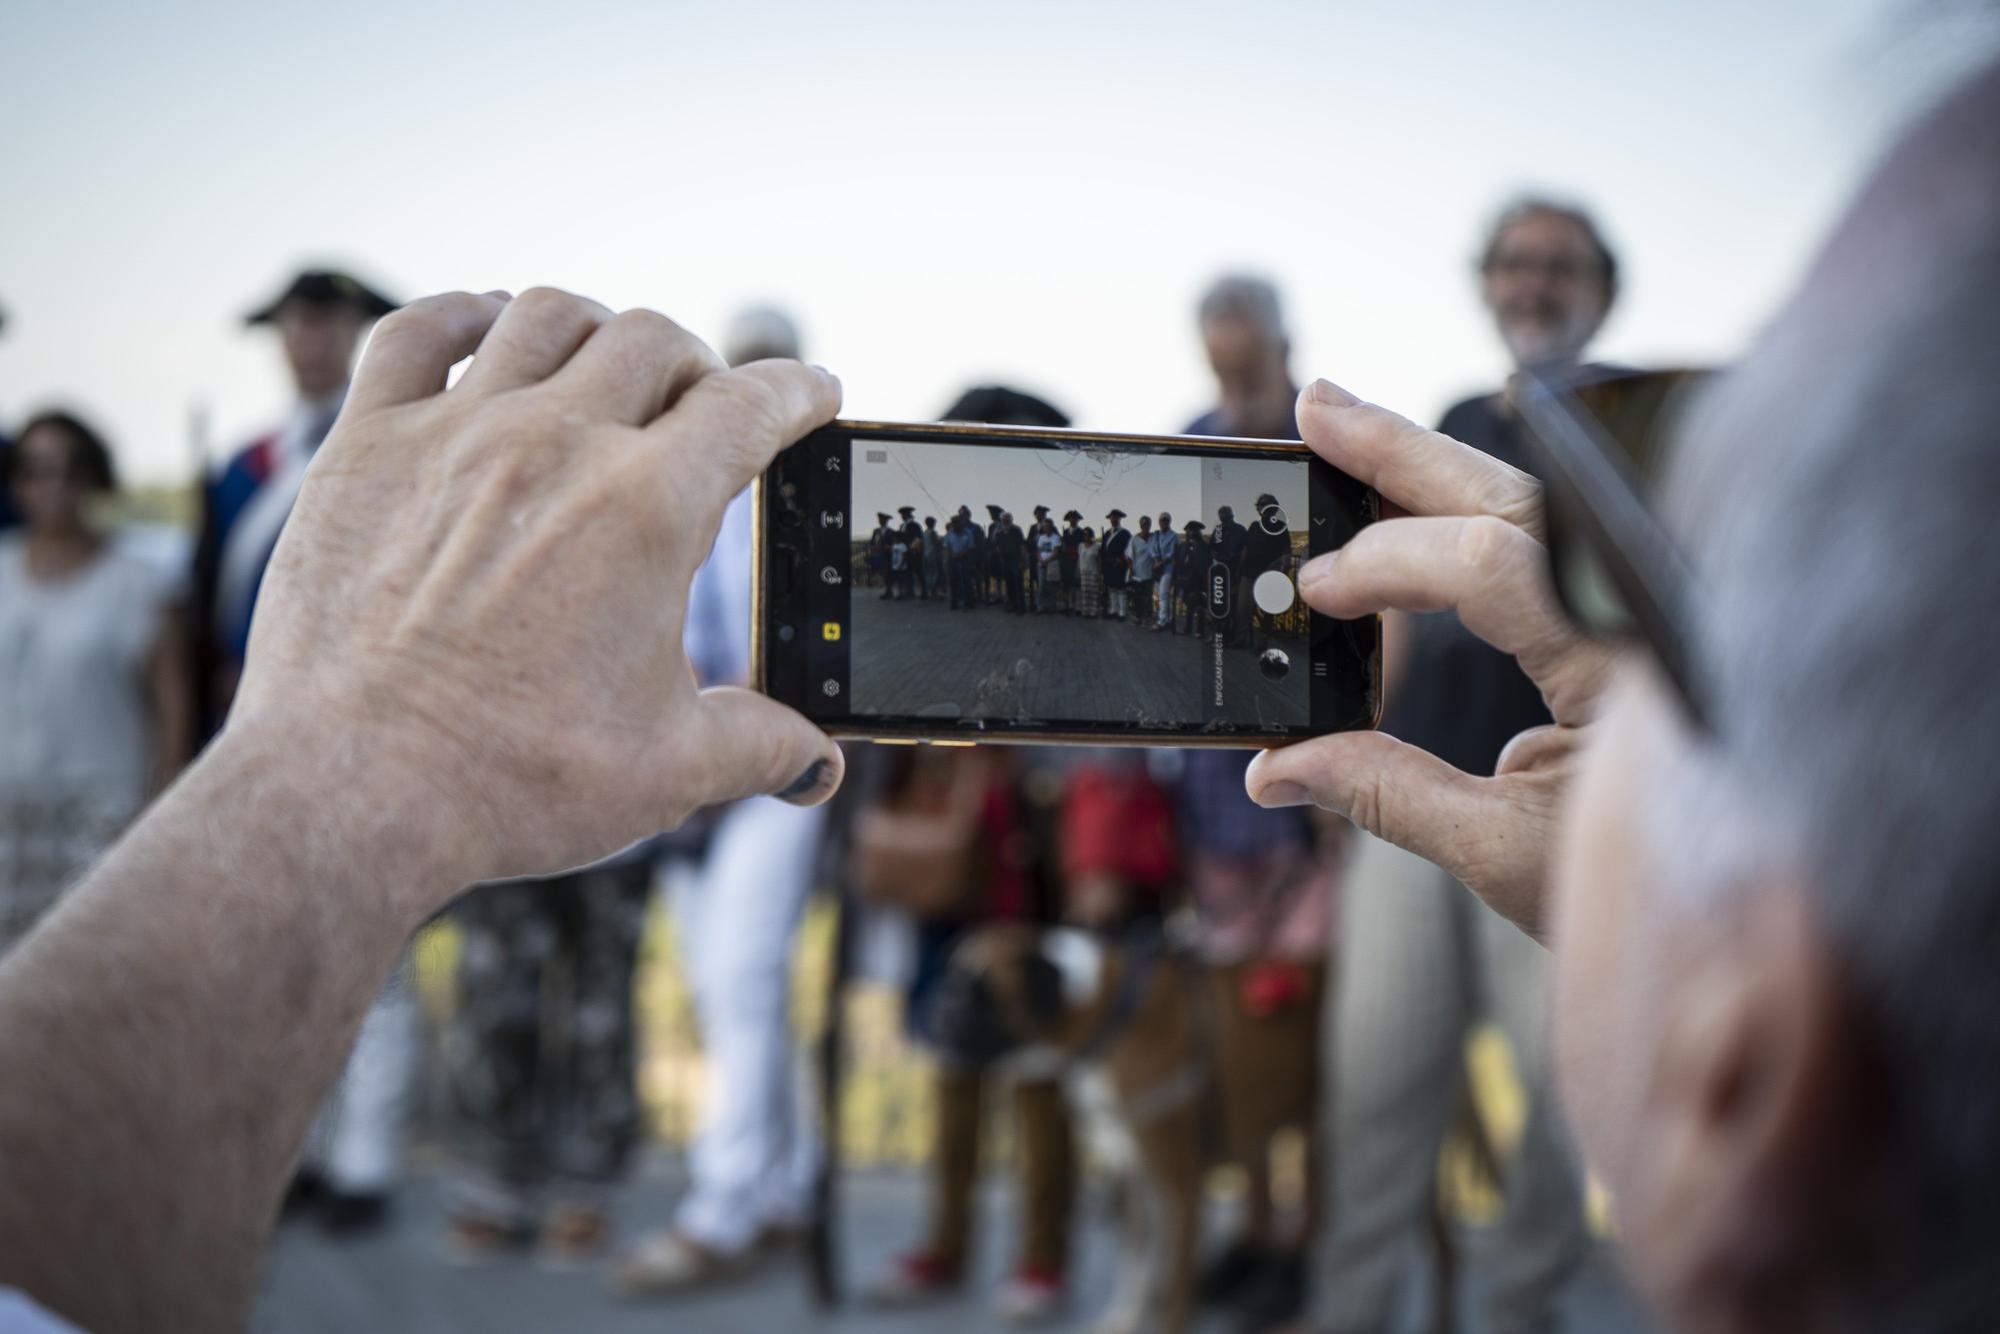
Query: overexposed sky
[
  {"x": 1033, "y": 193},
  {"x": 936, "y": 479}
]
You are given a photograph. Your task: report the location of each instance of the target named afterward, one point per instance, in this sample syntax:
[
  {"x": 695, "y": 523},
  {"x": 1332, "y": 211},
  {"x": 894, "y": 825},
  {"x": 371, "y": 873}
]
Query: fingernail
[
  {"x": 1318, "y": 569},
  {"x": 501, "y": 294},
  {"x": 806, "y": 782},
  {"x": 1331, "y": 394},
  {"x": 1284, "y": 794}
]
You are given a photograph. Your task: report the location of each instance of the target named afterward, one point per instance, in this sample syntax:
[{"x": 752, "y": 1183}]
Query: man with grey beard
[{"x": 1421, "y": 962}]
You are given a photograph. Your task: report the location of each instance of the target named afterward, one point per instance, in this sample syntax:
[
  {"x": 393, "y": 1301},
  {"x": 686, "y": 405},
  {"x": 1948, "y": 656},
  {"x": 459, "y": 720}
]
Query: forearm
[{"x": 146, "y": 1129}]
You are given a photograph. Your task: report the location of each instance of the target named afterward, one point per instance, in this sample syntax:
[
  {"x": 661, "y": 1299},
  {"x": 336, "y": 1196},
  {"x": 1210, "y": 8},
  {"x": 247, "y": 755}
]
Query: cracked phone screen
[{"x": 1039, "y": 584}]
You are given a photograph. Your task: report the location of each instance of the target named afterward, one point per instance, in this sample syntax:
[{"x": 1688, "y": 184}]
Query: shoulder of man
[
  {"x": 20, "y": 1315},
  {"x": 1478, "y": 410}
]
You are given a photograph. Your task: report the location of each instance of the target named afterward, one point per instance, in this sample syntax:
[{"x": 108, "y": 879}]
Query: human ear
[{"x": 1764, "y": 1115}]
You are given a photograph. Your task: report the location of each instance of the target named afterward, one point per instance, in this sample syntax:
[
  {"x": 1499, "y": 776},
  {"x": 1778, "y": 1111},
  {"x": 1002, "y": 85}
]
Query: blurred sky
[{"x": 1027, "y": 192}]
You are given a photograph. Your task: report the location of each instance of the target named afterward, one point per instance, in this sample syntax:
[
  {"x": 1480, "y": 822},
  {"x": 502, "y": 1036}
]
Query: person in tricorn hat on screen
[
  {"x": 1072, "y": 538},
  {"x": 1115, "y": 561},
  {"x": 992, "y": 579},
  {"x": 353, "y": 1160},
  {"x": 1010, "y": 554},
  {"x": 1035, "y": 594},
  {"x": 903, "y": 557},
  {"x": 1190, "y": 573}
]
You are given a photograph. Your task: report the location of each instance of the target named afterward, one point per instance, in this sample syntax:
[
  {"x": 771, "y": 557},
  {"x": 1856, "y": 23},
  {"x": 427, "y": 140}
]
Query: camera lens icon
[{"x": 1274, "y": 663}]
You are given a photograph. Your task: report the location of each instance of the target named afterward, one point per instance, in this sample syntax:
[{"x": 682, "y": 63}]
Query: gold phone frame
[{"x": 906, "y": 735}]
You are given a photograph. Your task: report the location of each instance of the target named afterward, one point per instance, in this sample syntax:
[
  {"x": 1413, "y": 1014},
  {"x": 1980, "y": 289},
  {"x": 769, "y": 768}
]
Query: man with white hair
[{"x": 1242, "y": 327}]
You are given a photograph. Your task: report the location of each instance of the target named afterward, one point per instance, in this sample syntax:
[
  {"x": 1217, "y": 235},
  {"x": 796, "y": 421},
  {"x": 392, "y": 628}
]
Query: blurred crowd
[
  {"x": 1152, "y": 578},
  {"x": 1239, "y": 973}
]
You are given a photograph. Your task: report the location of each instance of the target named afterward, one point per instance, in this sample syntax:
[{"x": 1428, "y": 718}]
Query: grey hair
[
  {"x": 758, "y": 333},
  {"x": 1528, "y": 206},
  {"x": 1245, "y": 297},
  {"x": 1840, "y": 500}
]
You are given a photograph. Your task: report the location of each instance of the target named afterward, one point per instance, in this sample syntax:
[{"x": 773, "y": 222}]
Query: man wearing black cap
[
  {"x": 1116, "y": 559},
  {"x": 1036, "y": 596},
  {"x": 1072, "y": 540},
  {"x": 905, "y": 553},
  {"x": 319, "y": 318},
  {"x": 1010, "y": 547},
  {"x": 1189, "y": 573},
  {"x": 992, "y": 588},
  {"x": 354, "y": 1157}
]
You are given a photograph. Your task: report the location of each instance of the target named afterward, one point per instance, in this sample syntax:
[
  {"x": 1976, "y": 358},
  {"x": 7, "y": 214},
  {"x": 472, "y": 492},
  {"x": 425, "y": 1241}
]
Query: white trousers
[
  {"x": 358, "y": 1140},
  {"x": 1421, "y": 960},
  {"x": 757, "y": 1148},
  {"x": 1163, "y": 595}
]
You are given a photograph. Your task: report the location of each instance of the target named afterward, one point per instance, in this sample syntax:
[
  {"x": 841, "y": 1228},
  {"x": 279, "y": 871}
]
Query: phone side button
[
  {"x": 951, "y": 743},
  {"x": 893, "y": 741}
]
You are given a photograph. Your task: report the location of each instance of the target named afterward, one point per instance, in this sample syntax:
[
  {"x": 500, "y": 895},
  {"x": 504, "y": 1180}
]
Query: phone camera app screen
[{"x": 1044, "y": 583}]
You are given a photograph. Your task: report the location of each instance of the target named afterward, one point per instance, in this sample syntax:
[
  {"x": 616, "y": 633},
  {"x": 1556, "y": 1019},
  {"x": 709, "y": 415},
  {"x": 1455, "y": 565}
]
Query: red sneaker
[{"x": 914, "y": 1279}]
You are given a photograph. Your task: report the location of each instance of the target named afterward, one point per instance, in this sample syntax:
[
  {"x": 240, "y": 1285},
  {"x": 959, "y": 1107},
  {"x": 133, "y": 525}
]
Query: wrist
[{"x": 353, "y": 801}]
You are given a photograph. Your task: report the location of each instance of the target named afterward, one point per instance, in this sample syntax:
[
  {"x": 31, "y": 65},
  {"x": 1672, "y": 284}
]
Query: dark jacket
[{"x": 1113, "y": 559}]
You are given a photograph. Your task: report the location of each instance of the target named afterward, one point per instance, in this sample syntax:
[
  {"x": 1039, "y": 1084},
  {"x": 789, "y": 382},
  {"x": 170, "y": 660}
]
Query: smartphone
[{"x": 956, "y": 583}]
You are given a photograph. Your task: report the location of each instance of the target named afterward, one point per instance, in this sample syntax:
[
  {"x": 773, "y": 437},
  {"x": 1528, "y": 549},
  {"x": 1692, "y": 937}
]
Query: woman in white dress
[
  {"x": 1048, "y": 550},
  {"x": 94, "y": 708},
  {"x": 1090, "y": 576}
]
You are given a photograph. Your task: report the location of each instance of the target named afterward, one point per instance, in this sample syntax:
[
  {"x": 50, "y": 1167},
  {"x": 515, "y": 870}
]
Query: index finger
[
  {"x": 1420, "y": 471},
  {"x": 737, "y": 420},
  {"x": 415, "y": 347}
]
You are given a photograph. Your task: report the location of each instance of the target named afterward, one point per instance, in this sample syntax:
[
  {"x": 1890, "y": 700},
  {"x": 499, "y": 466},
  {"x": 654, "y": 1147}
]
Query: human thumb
[{"x": 750, "y": 745}]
